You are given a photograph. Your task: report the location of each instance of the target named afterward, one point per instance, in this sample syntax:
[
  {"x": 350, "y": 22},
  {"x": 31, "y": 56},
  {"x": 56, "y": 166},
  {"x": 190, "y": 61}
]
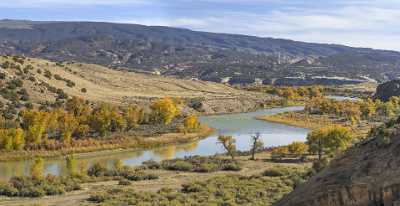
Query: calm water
[{"x": 241, "y": 126}]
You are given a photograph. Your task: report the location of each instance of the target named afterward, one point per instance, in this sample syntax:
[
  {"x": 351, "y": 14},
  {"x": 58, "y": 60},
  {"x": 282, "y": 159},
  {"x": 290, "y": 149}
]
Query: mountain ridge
[{"x": 192, "y": 54}]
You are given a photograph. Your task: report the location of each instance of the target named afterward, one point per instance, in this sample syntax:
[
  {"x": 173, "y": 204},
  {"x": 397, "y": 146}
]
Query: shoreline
[
  {"x": 130, "y": 144},
  {"x": 298, "y": 119},
  {"x": 273, "y": 120}
]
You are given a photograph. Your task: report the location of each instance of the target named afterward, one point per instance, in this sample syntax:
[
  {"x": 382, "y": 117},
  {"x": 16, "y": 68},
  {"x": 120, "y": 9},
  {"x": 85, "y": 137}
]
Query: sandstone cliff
[
  {"x": 367, "y": 174},
  {"x": 387, "y": 90}
]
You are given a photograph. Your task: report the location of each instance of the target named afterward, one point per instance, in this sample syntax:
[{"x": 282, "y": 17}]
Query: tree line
[
  {"x": 78, "y": 119},
  {"x": 354, "y": 111}
]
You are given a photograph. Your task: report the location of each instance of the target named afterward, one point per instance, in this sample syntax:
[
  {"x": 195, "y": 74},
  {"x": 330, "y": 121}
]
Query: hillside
[
  {"x": 201, "y": 55},
  {"x": 42, "y": 82},
  {"x": 367, "y": 174}
]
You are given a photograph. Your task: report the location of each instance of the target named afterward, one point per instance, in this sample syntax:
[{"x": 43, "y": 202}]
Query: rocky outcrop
[
  {"x": 387, "y": 90},
  {"x": 366, "y": 175}
]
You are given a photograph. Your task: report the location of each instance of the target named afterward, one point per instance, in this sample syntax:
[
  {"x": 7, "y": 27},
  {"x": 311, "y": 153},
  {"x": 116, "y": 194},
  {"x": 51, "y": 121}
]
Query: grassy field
[{"x": 176, "y": 187}]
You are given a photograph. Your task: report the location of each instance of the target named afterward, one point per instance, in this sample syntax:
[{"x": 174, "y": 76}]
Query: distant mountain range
[{"x": 199, "y": 55}]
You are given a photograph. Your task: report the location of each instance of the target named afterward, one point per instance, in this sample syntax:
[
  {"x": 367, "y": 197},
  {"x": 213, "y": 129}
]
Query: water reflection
[{"x": 241, "y": 126}]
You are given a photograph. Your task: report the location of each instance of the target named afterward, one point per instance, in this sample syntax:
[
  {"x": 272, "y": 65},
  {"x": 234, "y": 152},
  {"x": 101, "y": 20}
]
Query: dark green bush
[
  {"x": 8, "y": 190},
  {"x": 180, "y": 166},
  {"x": 231, "y": 167},
  {"x": 30, "y": 187},
  {"x": 124, "y": 182},
  {"x": 207, "y": 167},
  {"x": 151, "y": 164},
  {"x": 137, "y": 175},
  {"x": 98, "y": 198},
  {"x": 47, "y": 74},
  {"x": 58, "y": 77},
  {"x": 97, "y": 170},
  {"x": 200, "y": 164},
  {"x": 274, "y": 172}
]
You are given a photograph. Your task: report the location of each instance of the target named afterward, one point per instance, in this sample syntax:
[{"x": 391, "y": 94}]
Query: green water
[{"x": 241, "y": 126}]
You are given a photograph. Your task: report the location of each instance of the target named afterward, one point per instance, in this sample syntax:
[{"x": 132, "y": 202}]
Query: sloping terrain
[
  {"x": 201, "y": 55},
  {"x": 41, "y": 80},
  {"x": 366, "y": 175}
]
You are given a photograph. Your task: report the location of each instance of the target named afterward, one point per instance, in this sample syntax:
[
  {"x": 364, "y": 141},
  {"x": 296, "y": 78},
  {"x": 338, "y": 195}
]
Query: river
[{"x": 241, "y": 126}]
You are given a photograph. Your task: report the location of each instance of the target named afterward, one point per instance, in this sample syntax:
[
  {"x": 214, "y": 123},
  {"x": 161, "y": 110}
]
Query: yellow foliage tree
[
  {"x": 165, "y": 110},
  {"x": 191, "y": 123},
  {"x": 72, "y": 166},
  {"x": 133, "y": 115},
  {"x": 329, "y": 140},
  {"x": 298, "y": 148},
  {"x": 18, "y": 139},
  {"x": 68, "y": 125},
  {"x": 228, "y": 142},
  {"x": 37, "y": 168},
  {"x": 35, "y": 123}
]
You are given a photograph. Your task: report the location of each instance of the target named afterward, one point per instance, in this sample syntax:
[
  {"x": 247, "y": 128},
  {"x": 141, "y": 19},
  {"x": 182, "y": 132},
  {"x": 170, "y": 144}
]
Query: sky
[{"x": 360, "y": 23}]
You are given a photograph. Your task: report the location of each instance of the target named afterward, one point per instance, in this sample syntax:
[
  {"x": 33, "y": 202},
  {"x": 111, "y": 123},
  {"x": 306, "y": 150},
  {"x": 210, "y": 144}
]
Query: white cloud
[
  {"x": 51, "y": 3},
  {"x": 366, "y": 23},
  {"x": 359, "y": 25}
]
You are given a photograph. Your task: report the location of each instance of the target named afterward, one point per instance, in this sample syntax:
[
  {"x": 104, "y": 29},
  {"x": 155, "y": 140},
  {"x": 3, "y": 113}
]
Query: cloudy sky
[{"x": 362, "y": 23}]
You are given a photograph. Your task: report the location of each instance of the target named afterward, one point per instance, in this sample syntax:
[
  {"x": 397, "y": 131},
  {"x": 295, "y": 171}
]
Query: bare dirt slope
[
  {"x": 122, "y": 87},
  {"x": 366, "y": 175}
]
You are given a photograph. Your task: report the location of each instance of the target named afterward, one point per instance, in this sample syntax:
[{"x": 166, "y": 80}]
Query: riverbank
[
  {"x": 110, "y": 146},
  {"x": 299, "y": 119},
  {"x": 172, "y": 182},
  {"x": 303, "y": 120}
]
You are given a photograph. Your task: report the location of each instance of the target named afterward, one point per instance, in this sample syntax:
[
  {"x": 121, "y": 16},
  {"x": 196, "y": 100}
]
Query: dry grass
[
  {"x": 299, "y": 119},
  {"x": 113, "y": 86},
  {"x": 167, "y": 179},
  {"x": 314, "y": 121}
]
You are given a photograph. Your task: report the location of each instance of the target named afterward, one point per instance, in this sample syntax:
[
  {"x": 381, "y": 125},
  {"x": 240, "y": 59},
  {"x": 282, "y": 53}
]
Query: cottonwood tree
[
  {"x": 191, "y": 123},
  {"x": 72, "y": 166},
  {"x": 329, "y": 140},
  {"x": 36, "y": 169},
  {"x": 133, "y": 116},
  {"x": 228, "y": 142},
  {"x": 256, "y": 144},
  {"x": 298, "y": 148},
  {"x": 165, "y": 110}
]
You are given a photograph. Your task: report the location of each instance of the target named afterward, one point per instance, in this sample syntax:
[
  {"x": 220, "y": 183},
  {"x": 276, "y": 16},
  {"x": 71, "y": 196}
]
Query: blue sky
[{"x": 362, "y": 23}]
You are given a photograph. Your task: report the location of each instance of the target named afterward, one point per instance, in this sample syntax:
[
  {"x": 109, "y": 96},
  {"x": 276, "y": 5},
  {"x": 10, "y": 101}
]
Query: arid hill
[
  {"x": 366, "y": 175},
  {"x": 41, "y": 80},
  {"x": 238, "y": 59}
]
